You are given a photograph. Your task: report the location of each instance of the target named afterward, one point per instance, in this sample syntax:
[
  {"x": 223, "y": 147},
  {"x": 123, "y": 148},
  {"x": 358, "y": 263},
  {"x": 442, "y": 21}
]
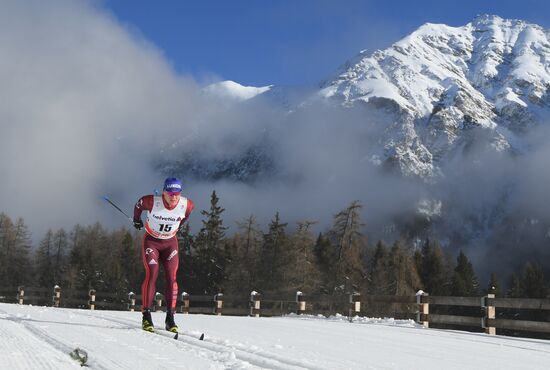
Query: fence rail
[
  {"x": 487, "y": 313},
  {"x": 521, "y": 303},
  {"x": 454, "y": 301},
  {"x": 420, "y": 305}
]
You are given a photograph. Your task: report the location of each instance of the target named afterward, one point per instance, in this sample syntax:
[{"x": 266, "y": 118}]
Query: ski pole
[{"x": 120, "y": 210}]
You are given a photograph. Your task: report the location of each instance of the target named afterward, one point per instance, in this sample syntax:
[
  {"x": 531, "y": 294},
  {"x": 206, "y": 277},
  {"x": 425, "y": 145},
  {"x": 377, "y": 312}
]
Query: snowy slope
[
  {"x": 492, "y": 74},
  {"x": 233, "y": 91},
  {"x": 41, "y": 337},
  {"x": 436, "y": 84}
]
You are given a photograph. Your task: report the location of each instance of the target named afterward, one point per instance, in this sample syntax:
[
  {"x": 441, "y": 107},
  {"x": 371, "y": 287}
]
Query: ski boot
[
  {"x": 170, "y": 324},
  {"x": 147, "y": 321}
]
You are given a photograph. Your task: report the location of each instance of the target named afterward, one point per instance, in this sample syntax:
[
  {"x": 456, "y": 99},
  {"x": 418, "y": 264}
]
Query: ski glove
[{"x": 138, "y": 224}]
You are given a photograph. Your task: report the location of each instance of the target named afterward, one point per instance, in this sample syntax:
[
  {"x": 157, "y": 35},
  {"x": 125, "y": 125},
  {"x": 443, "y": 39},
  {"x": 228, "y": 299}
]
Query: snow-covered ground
[{"x": 33, "y": 337}]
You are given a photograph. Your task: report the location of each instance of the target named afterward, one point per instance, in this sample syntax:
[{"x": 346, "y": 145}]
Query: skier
[{"x": 160, "y": 245}]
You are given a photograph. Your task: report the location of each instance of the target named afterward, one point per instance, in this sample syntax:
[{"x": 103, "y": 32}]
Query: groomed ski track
[
  {"x": 33, "y": 337},
  {"x": 217, "y": 353}
]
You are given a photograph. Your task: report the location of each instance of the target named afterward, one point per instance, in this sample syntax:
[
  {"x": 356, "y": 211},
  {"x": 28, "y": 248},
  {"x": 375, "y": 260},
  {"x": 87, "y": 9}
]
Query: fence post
[
  {"x": 184, "y": 303},
  {"x": 255, "y": 304},
  {"x": 56, "y": 295},
  {"x": 218, "y": 299},
  {"x": 132, "y": 299},
  {"x": 422, "y": 315},
  {"x": 91, "y": 302},
  {"x": 354, "y": 305},
  {"x": 21, "y": 294},
  {"x": 300, "y": 303},
  {"x": 487, "y": 303},
  {"x": 158, "y": 300}
]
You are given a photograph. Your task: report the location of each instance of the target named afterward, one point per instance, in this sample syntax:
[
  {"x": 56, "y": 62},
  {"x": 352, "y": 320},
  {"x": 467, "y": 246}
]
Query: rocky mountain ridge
[
  {"x": 492, "y": 74},
  {"x": 434, "y": 133},
  {"x": 437, "y": 84}
]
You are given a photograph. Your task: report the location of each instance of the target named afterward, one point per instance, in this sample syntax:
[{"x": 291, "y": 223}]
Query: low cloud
[
  {"x": 89, "y": 109},
  {"x": 84, "y": 103}
]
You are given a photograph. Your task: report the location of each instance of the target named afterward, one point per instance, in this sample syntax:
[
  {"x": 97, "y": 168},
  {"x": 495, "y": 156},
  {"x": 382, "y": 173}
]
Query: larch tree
[
  {"x": 346, "y": 236},
  {"x": 302, "y": 272},
  {"x": 244, "y": 252},
  {"x": 403, "y": 277},
  {"x": 16, "y": 265}
]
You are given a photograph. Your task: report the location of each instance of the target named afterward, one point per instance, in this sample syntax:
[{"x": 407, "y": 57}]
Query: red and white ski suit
[{"x": 160, "y": 245}]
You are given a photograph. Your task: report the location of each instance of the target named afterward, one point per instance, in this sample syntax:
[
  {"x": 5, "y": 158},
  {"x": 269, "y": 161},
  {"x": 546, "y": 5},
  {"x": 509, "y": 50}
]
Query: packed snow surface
[{"x": 33, "y": 337}]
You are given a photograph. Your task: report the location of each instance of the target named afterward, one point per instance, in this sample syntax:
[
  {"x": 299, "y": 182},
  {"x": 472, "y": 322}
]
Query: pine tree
[
  {"x": 130, "y": 262},
  {"x": 74, "y": 246},
  {"x": 237, "y": 283},
  {"x": 464, "y": 283},
  {"x": 494, "y": 286},
  {"x": 325, "y": 254},
  {"x": 59, "y": 257},
  {"x": 417, "y": 259},
  {"x": 379, "y": 277},
  {"x": 532, "y": 282},
  {"x": 514, "y": 287},
  {"x": 119, "y": 264},
  {"x": 435, "y": 274},
  {"x": 186, "y": 276},
  {"x": 211, "y": 250},
  {"x": 44, "y": 261},
  {"x": 272, "y": 256},
  {"x": 185, "y": 238},
  {"x": 86, "y": 259}
]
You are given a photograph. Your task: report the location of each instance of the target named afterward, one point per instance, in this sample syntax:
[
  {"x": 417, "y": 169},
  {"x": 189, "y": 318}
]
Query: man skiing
[{"x": 160, "y": 245}]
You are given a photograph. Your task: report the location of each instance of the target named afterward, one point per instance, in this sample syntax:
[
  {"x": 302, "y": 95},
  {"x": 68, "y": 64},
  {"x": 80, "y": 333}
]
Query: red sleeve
[
  {"x": 145, "y": 203},
  {"x": 189, "y": 209}
]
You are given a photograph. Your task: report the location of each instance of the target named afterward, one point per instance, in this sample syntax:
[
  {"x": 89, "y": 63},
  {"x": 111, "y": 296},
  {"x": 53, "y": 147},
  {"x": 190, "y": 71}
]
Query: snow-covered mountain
[
  {"x": 441, "y": 81},
  {"x": 435, "y": 87},
  {"x": 233, "y": 91},
  {"x": 431, "y": 108}
]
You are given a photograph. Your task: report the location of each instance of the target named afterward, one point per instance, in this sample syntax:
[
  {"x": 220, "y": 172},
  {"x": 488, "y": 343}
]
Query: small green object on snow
[{"x": 80, "y": 355}]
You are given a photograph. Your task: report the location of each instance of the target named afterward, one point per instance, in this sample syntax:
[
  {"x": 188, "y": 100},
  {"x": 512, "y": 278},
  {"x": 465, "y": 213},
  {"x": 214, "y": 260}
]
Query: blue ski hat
[{"x": 172, "y": 185}]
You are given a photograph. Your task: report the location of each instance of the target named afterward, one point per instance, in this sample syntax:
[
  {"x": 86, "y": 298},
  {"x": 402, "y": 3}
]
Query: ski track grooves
[
  {"x": 65, "y": 348},
  {"x": 258, "y": 358},
  {"x": 487, "y": 340}
]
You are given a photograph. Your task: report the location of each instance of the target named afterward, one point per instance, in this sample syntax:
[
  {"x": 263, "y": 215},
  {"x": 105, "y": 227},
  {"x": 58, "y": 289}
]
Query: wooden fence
[
  {"x": 487, "y": 317},
  {"x": 425, "y": 308}
]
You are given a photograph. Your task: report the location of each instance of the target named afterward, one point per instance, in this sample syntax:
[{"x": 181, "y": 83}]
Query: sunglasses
[{"x": 173, "y": 193}]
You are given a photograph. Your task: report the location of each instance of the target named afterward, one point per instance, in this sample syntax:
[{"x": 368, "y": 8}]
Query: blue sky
[{"x": 291, "y": 42}]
